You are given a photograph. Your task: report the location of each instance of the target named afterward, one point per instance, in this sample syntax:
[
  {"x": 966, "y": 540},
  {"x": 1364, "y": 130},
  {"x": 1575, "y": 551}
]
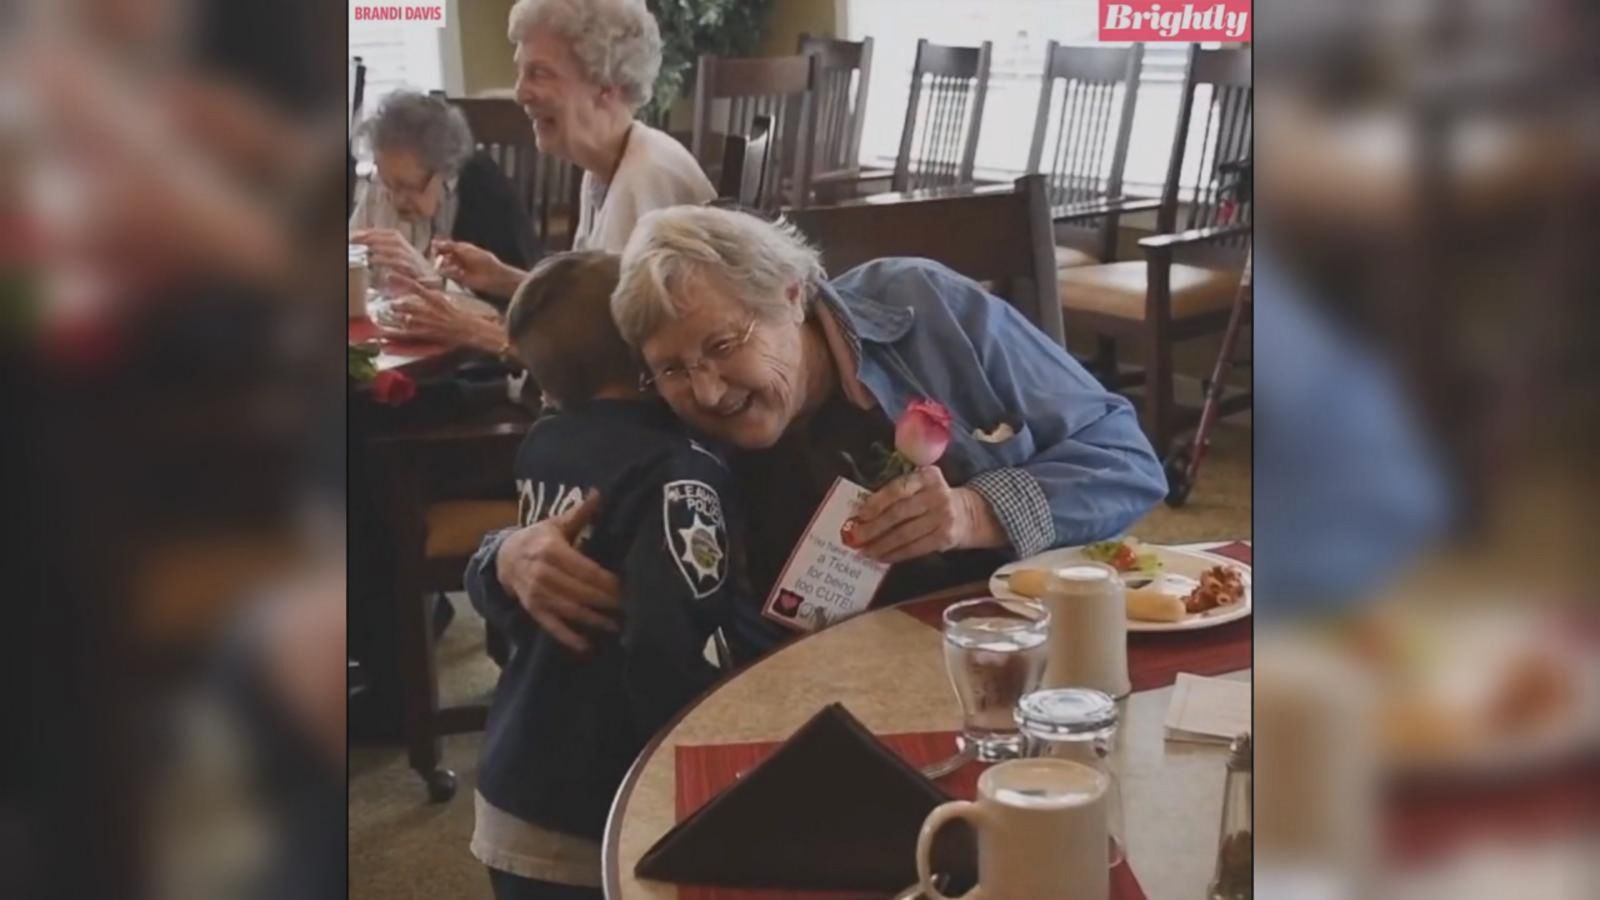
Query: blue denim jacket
[
  {"x": 1077, "y": 469},
  {"x": 1352, "y": 491}
]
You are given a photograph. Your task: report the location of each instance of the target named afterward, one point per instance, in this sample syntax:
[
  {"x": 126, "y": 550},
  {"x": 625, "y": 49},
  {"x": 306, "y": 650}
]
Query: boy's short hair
[{"x": 560, "y": 323}]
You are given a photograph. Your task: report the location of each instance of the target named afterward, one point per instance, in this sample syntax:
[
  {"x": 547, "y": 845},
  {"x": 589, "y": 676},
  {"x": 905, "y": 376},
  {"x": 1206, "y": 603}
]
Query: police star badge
[{"x": 697, "y": 535}]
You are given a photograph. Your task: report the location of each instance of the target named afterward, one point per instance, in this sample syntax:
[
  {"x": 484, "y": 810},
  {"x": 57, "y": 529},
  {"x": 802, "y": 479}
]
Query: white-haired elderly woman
[
  {"x": 431, "y": 183},
  {"x": 584, "y": 68},
  {"x": 752, "y": 345}
]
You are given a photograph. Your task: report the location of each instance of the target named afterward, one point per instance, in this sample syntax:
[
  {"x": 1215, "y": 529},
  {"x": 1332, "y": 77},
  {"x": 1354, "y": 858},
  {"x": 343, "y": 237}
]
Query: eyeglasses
[
  {"x": 719, "y": 351},
  {"x": 409, "y": 190}
]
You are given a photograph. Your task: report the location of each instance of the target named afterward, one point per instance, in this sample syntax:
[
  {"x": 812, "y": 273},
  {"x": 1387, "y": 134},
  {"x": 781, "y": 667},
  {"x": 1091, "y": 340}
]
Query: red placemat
[
  {"x": 705, "y": 769},
  {"x": 1426, "y": 821},
  {"x": 1156, "y": 657},
  {"x": 361, "y": 331}
]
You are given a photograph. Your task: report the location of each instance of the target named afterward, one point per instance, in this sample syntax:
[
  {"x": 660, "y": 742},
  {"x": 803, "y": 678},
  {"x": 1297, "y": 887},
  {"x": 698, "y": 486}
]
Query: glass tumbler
[
  {"x": 359, "y": 283},
  {"x": 994, "y": 653},
  {"x": 1079, "y": 724}
]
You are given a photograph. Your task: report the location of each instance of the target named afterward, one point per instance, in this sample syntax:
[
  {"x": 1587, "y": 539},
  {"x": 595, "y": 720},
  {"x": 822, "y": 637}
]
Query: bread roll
[
  {"x": 1030, "y": 583},
  {"x": 1149, "y": 605}
]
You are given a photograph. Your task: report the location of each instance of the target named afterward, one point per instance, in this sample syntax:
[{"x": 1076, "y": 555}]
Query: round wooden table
[{"x": 887, "y": 668}]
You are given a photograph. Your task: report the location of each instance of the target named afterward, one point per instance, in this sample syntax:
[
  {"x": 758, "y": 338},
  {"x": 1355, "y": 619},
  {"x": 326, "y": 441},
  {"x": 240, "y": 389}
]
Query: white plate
[
  {"x": 1479, "y": 647},
  {"x": 1180, "y": 573}
]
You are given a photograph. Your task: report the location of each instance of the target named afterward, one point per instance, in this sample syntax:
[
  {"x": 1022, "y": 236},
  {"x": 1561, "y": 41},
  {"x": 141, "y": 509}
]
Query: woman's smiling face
[
  {"x": 724, "y": 370},
  {"x": 552, "y": 90}
]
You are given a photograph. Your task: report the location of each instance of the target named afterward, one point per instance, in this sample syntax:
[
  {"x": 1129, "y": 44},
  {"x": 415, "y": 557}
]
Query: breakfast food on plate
[
  {"x": 1535, "y": 688},
  {"x": 1151, "y": 605},
  {"x": 1150, "y": 595},
  {"x": 1124, "y": 555},
  {"x": 1414, "y": 726},
  {"x": 1480, "y": 686},
  {"x": 1219, "y": 586},
  {"x": 1030, "y": 583}
]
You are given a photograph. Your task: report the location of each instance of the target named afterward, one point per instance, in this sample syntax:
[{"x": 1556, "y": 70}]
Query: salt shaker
[{"x": 1234, "y": 876}]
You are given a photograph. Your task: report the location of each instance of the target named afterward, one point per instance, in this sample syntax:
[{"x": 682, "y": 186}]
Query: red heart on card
[{"x": 847, "y": 534}]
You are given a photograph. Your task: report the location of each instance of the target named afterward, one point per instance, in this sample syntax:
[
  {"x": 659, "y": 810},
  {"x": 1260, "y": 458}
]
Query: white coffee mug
[{"x": 1041, "y": 827}]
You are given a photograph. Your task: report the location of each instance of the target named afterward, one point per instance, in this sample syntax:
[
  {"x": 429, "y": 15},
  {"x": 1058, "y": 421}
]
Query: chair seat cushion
[
  {"x": 1071, "y": 257},
  {"x": 456, "y": 527},
  {"x": 183, "y": 589},
  {"x": 1118, "y": 289}
]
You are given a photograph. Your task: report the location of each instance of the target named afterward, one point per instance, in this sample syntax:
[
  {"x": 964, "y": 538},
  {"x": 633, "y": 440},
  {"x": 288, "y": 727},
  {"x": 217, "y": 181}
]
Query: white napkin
[{"x": 1208, "y": 710}]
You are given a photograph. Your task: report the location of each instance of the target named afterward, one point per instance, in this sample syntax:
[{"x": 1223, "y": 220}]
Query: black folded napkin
[{"x": 831, "y": 809}]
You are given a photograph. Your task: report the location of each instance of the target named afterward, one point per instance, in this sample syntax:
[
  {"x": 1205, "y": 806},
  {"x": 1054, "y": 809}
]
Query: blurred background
[
  {"x": 172, "y": 471},
  {"x": 173, "y": 418},
  {"x": 1426, "y": 352}
]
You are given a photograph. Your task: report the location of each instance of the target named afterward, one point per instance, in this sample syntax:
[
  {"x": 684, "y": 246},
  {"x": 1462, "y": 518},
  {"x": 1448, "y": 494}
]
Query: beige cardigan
[{"x": 656, "y": 172}]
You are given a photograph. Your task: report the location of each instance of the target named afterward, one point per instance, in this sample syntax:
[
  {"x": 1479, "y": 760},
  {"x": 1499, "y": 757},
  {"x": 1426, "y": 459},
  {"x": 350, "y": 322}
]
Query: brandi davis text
[{"x": 419, "y": 12}]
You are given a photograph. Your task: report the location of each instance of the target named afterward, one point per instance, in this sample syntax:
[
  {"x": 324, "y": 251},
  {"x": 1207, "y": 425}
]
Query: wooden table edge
[{"x": 610, "y": 856}]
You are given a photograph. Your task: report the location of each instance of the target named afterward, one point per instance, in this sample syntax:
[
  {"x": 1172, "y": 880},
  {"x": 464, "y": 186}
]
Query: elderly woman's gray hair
[
  {"x": 617, "y": 42},
  {"x": 673, "y": 249},
  {"x": 422, "y": 124}
]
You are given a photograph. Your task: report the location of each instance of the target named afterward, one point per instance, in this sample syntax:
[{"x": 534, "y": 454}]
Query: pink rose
[
  {"x": 393, "y": 388},
  {"x": 923, "y": 432}
]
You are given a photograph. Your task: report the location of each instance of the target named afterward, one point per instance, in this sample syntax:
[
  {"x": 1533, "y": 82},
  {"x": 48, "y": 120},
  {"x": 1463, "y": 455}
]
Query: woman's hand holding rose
[{"x": 920, "y": 513}]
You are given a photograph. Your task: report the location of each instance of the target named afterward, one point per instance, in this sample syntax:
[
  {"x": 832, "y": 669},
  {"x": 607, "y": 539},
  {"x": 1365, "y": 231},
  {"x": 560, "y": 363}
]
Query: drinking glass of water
[
  {"x": 1079, "y": 724},
  {"x": 995, "y": 652}
]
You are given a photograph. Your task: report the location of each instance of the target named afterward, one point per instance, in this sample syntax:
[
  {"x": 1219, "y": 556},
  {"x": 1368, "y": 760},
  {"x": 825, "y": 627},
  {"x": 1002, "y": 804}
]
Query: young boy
[{"x": 565, "y": 726}]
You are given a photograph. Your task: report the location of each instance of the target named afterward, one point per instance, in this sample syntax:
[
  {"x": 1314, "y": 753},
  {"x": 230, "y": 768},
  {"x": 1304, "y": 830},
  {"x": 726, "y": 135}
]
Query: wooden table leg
[{"x": 414, "y": 629}]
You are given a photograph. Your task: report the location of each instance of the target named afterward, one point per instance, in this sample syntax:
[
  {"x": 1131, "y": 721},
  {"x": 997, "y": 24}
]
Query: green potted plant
[{"x": 690, "y": 28}]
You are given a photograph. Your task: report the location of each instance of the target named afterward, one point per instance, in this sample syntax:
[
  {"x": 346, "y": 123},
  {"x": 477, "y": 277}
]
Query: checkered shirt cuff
[{"x": 1021, "y": 506}]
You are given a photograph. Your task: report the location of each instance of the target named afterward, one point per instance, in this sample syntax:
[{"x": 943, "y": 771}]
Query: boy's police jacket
[{"x": 564, "y": 727}]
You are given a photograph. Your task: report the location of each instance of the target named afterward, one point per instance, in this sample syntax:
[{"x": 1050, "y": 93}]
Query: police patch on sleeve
[{"x": 697, "y": 535}]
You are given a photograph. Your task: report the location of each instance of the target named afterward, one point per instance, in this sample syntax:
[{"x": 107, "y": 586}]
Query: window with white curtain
[
  {"x": 1019, "y": 30},
  {"x": 398, "y": 55}
]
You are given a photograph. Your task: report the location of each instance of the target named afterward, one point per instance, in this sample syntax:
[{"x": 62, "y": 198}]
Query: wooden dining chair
[
  {"x": 358, "y": 89},
  {"x": 746, "y": 176},
  {"x": 1080, "y": 142},
  {"x": 996, "y": 234},
  {"x": 843, "y": 78},
  {"x": 441, "y": 490},
  {"x": 939, "y": 142},
  {"x": 1185, "y": 285},
  {"x": 351, "y": 178},
  {"x": 730, "y": 92},
  {"x": 358, "y": 93},
  {"x": 546, "y": 187}
]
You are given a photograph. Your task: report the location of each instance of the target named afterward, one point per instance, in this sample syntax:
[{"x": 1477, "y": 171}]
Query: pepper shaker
[{"x": 1234, "y": 875}]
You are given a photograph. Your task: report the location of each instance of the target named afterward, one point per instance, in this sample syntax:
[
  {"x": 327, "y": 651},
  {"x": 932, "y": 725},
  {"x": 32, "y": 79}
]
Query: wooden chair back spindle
[
  {"x": 546, "y": 187},
  {"x": 746, "y": 171},
  {"x": 844, "y": 75},
  {"x": 1081, "y": 135},
  {"x": 1219, "y": 87},
  {"x": 731, "y": 92},
  {"x": 944, "y": 114}
]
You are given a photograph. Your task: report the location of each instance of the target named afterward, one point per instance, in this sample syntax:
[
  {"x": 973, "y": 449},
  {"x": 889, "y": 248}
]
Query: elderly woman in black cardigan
[{"x": 430, "y": 184}]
